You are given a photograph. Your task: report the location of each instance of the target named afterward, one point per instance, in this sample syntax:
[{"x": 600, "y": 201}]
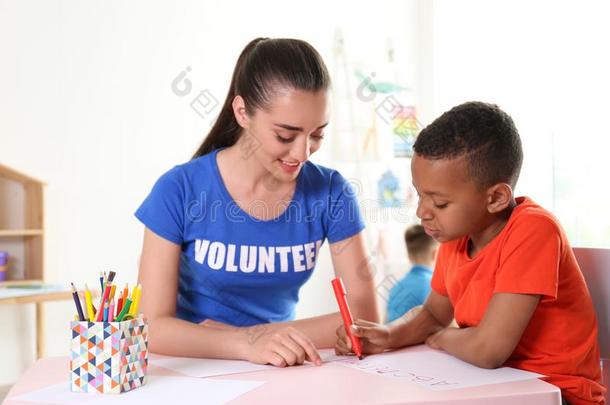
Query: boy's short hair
[
  {"x": 418, "y": 241},
  {"x": 484, "y": 133}
]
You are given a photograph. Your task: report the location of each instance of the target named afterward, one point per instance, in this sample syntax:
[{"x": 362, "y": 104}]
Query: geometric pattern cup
[{"x": 108, "y": 357}]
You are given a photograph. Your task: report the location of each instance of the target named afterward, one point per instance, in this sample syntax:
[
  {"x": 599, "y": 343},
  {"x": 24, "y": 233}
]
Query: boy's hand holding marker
[
  {"x": 346, "y": 315},
  {"x": 374, "y": 338}
]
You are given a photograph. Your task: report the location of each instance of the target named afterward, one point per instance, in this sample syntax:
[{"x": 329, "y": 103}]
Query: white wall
[
  {"x": 87, "y": 106},
  {"x": 546, "y": 63}
]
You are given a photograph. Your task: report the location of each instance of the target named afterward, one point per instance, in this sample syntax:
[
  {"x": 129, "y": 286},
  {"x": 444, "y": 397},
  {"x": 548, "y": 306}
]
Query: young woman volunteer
[{"x": 233, "y": 234}]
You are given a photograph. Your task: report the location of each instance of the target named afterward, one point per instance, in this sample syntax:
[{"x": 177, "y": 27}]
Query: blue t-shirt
[
  {"x": 411, "y": 291},
  {"x": 235, "y": 268}
]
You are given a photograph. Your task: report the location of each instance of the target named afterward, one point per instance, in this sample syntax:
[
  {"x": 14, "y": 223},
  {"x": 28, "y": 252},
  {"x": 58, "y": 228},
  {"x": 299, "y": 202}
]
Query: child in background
[
  {"x": 505, "y": 269},
  {"x": 413, "y": 289}
]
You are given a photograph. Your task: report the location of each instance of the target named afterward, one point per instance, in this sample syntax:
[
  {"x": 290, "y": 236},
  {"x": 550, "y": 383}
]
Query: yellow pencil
[
  {"x": 89, "y": 304},
  {"x": 112, "y": 290},
  {"x": 137, "y": 293}
]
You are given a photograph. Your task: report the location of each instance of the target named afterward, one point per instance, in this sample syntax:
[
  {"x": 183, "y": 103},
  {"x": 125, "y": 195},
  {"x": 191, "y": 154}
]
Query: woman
[{"x": 234, "y": 233}]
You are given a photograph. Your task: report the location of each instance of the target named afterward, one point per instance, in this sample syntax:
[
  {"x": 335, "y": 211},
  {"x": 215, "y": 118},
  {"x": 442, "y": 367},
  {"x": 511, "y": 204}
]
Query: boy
[
  {"x": 413, "y": 289},
  {"x": 505, "y": 270}
]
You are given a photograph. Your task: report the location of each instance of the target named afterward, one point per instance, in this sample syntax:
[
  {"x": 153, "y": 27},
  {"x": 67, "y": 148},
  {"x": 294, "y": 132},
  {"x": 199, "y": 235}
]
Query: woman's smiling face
[{"x": 284, "y": 135}]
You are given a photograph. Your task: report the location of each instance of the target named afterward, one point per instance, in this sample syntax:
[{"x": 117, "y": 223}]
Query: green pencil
[{"x": 124, "y": 311}]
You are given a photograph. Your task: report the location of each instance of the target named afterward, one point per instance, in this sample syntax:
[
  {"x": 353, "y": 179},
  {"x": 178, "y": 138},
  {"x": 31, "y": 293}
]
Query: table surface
[{"x": 327, "y": 384}]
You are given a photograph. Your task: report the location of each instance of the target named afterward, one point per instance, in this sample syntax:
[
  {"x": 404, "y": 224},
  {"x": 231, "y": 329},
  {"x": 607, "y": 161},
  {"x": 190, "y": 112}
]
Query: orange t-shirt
[{"x": 531, "y": 255}]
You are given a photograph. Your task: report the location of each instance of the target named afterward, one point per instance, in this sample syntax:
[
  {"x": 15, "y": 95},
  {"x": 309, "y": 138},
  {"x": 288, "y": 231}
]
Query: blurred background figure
[{"x": 413, "y": 289}]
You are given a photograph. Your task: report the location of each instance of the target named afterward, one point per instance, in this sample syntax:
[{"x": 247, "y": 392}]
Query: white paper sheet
[
  {"x": 158, "y": 390},
  {"x": 201, "y": 368},
  {"x": 328, "y": 355},
  {"x": 434, "y": 369}
]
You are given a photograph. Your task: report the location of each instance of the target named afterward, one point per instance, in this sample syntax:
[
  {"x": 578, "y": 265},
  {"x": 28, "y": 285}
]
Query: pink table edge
[{"x": 329, "y": 383}]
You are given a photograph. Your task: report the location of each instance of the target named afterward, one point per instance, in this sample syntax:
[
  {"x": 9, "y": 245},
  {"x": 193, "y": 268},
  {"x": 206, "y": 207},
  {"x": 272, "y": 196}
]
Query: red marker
[
  {"x": 339, "y": 289},
  {"x": 100, "y": 314}
]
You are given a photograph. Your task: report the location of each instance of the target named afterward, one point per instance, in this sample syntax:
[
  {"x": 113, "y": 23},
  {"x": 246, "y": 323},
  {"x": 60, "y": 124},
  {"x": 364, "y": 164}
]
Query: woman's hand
[
  {"x": 375, "y": 338},
  {"x": 283, "y": 347}
]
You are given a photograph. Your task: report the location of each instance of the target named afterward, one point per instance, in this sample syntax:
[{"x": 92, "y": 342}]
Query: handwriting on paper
[
  {"x": 390, "y": 371},
  {"x": 433, "y": 369}
]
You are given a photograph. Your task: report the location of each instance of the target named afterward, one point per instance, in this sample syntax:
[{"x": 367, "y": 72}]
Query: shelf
[
  {"x": 23, "y": 220},
  {"x": 19, "y": 283},
  {"x": 21, "y": 232},
  {"x": 31, "y": 291},
  {"x": 34, "y": 291},
  {"x": 37, "y": 298}
]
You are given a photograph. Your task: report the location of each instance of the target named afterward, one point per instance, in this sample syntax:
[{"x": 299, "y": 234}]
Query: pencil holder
[{"x": 108, "y": 357}]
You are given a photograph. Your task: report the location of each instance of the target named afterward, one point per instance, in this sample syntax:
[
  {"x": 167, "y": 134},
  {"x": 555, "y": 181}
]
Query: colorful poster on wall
[
  {"x": 389, "y": 190},
  {"x": 402, "y": 122}
]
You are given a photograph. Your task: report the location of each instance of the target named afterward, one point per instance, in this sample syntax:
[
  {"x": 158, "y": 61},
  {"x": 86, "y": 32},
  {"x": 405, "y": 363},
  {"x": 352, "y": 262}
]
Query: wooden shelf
[
  {"x": 21, "y": 232},
  {"x": 22, "y": 217}
]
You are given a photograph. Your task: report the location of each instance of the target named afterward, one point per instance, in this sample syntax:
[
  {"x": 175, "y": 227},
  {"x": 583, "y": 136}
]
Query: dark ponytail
[{"x": 263, "y": 64}]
